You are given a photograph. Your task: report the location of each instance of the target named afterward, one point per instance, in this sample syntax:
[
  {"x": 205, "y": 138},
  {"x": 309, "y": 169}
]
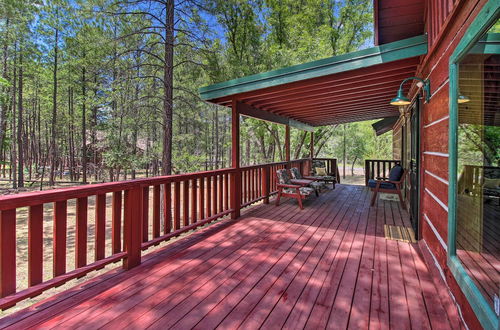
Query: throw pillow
[{"x": 321, "y": 171}]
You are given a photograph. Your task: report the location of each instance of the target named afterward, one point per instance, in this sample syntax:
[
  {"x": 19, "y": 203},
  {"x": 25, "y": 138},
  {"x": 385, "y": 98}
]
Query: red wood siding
[
  {"x": 398, "y": 19},
  {"x": 397, "y": 141},
  {"x": 437, "y": 13},
  {"x": 447, "y": 21}
]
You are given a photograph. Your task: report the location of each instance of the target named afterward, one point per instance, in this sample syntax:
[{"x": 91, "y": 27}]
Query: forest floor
[{"x": 357, "y": 179}]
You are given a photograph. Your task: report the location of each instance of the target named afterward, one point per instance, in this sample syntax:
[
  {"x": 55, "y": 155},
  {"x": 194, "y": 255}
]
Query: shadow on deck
[{"x": 327, "y": 266}]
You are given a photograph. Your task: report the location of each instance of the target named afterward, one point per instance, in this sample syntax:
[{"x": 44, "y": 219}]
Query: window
[
  {"x": 474, "y": 200},
  {"x": 478, "y": 156}
]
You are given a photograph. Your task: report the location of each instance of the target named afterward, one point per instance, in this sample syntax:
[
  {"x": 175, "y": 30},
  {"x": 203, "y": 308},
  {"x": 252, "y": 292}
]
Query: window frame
[{"x": 482, "y": 23}]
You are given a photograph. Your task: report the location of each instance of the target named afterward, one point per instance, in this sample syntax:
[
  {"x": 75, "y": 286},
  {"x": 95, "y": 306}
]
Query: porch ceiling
[{"x": 351, "y": 87}]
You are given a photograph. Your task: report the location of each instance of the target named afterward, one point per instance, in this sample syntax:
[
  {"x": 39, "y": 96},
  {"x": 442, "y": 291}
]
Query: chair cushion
[
  {"x": 324, "y": 177},
  {"x": 295, "y": 173},
  {"x": 306, "y": 191},
  {"x": 283, "y": 176},
  {"x": 396, "y": 173},
  {"x": 321, "y": 171},
  {"x": 384, "y": 185},
  {"x": 318, "y": 163}
]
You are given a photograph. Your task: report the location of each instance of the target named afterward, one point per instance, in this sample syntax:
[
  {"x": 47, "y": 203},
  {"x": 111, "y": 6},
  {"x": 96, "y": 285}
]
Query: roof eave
[{"x": 402, "y": 49}]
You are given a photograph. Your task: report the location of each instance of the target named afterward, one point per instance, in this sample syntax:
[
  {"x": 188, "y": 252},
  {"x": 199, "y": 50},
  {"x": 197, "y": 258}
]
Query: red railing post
[
  {"x": 7, "y": 252},
  {"x": 132, "y": 227},
  {"x": 116, "y": 217},
  {"x": 266, "y": 172},
  {"x": 35, "y": 245},
  {"x": 60, "y": 232},
  {"x": 235, "y": 161},
  {"x": 236, "y": 193},
  {"x": 367, "y": 171}
]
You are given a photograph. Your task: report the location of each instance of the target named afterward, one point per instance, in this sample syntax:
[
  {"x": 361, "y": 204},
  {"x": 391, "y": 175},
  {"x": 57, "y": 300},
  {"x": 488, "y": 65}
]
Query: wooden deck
[{"x": 328, "y": 266}]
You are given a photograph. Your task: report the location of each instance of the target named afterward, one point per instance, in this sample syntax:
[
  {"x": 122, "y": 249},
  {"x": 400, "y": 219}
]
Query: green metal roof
[{"x": 386, "y": 53}]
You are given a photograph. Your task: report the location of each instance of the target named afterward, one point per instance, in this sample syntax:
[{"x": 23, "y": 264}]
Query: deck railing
[
  {"x": 115, "y": 221},
  {"x": 331, "y": 166},
  {"x": 375, "y": 168}
]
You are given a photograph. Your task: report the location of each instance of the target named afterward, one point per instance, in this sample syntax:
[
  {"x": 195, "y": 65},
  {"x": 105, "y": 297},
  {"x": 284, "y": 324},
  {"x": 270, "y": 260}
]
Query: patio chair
[
  {"x": 298, "y": 178},
  {"x": 287, "y": 189},
  {"x": 319, "y": 173},
  {"x": 391, "y": 185}
]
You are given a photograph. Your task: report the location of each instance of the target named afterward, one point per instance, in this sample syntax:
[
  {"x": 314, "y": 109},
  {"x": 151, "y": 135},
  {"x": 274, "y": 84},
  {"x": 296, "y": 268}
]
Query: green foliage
[{"x": 110, "y": 91}]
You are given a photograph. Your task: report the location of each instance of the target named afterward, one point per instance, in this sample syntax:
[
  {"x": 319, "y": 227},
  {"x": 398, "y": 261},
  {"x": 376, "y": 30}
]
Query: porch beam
[
  {"x": 287, "y": 143},
  {"x": 249, "y": 111},
  {"x": 311, "y": 152},
  {"x": 235, "y": 160}
]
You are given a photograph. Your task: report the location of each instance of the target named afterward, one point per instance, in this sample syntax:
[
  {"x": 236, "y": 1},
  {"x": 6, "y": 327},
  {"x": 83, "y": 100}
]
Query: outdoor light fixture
[
  {"x": 462, "y": 98},
  {"x": 400, "y": 99}
]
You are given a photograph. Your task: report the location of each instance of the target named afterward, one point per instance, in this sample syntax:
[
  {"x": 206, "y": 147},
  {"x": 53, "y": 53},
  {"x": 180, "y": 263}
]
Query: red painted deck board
[{"x": 328, "y": 265}]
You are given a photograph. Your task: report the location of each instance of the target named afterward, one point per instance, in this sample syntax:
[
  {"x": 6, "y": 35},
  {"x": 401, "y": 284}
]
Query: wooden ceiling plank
[
  {"x": 326, "y": 82},
  {"x": 336, "y": 98},
  {"x": 330, "y": 91}
]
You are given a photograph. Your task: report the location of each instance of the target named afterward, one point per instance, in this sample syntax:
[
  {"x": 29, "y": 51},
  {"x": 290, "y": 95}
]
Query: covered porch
[
  {"x": 331, "y": 265},
  {"x": 327, "y": 266}
]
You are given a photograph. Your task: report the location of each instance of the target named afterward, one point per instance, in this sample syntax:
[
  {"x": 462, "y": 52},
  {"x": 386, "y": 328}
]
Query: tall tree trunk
[
  {"x": 301, "y": 144},
  {"x": 84, "y": 127},
  {"x": 94, "y": 132},
  {"x": 53, "y": 152},
  {"x": 13, "y": 152},
  {"x": 168, "y": 80},
  {"x": 71, "y": 134},
  {"x": 20, "y": 144},
  {"x": 352, "y": 167},
  {"x": 3, "y": 106}
]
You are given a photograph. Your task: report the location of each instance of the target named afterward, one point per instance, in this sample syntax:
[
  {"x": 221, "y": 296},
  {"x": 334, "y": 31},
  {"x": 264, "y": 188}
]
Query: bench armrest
[{"x": 280, "y": 185}]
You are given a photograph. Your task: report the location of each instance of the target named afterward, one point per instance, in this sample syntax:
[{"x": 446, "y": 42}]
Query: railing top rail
[
  {"x": 249, "y": 167},
  {"x": 40, "y": 197}
]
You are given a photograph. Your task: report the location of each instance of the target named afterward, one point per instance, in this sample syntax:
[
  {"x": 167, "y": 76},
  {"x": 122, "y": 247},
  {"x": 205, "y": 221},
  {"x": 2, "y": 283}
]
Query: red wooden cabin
[{"x": 330, "y": 265}]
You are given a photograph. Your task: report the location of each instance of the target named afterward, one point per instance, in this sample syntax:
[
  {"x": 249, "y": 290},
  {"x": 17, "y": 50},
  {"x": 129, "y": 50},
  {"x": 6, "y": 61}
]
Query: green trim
[
  {"x": 486, "y": 17},
  {"x": 488, "y": 45},
  {"x": 390, "y": 52},
  {"x": 484, "y": 313}
]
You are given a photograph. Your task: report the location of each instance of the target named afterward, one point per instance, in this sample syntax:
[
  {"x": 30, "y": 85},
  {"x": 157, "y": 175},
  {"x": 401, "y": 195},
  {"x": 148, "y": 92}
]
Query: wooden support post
[
  {"x": 367, "y": 171},
  {"x": 132, "y": 227},
  {"x": 287, "y": 145},
  {"x": 235, "y": 152},
  {"x": 266, "y": 176},
  {"x": 311, "y": 154}
]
